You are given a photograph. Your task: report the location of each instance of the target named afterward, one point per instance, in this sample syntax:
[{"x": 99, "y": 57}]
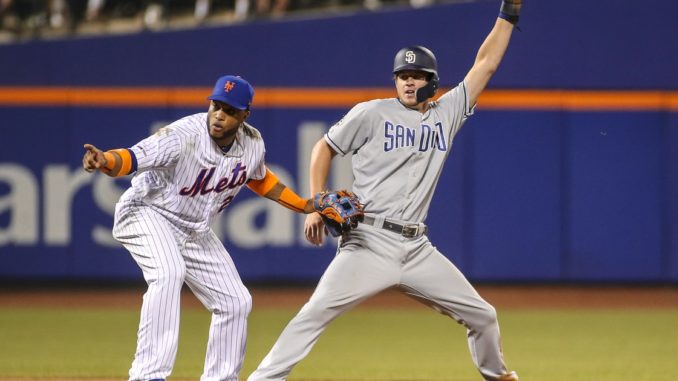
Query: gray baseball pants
[{"x": 371, "y": 260}]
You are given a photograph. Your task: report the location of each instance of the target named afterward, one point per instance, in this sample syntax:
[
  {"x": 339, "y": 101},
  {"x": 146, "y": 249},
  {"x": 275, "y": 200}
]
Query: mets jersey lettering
[
  {"x": 185, "y": 176},
  {"x": 201, "y": 183},
  {"x": 399, "y": 136}
]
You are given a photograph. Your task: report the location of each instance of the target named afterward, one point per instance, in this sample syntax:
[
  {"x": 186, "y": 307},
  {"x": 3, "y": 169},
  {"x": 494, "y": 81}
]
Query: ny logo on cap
[
  {"x": 228, "y": 86},
  {"x": 410, "y": 56}
]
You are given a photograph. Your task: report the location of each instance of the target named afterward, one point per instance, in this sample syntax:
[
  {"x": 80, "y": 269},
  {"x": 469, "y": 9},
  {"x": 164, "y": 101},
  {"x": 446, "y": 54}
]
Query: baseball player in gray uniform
[
  {"x": 186, "y": 174},
  {"x": 399, "y": 146}
]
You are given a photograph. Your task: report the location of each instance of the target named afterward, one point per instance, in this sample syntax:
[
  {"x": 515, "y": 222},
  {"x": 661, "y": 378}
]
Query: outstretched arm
[
  {"x": 341, "y": 210},
  {"x": 114, "y": 163},
  {"x": 271, "y": 188},
  {"x": 492, "y": 50}
]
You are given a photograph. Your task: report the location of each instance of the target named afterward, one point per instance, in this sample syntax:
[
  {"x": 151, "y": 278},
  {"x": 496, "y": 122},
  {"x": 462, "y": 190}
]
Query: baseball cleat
[{"x": 511, "y": 376}]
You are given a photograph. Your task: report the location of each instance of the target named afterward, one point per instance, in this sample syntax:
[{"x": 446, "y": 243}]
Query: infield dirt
[{"x": 500, "y": 296}]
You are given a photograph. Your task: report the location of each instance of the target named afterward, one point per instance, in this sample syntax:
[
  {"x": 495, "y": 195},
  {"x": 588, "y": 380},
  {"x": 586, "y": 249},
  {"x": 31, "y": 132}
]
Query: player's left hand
[
  {"x": 340, "y": 210},
  {"x": 93, "y": 158}
]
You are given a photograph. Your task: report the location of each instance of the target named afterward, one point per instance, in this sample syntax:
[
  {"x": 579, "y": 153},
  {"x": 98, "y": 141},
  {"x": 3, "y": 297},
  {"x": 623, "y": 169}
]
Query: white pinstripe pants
[{"x": 168, "y": 259}]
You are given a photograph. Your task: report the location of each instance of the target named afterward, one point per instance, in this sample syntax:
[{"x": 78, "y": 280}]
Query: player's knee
[
  {"x": 316, "y": 312},
  {"x": 240, "y": 305},
  {"x": 171, "y": 278},
  {"x": 486, "y": 316},
  {"x": 245, "y": 303}
]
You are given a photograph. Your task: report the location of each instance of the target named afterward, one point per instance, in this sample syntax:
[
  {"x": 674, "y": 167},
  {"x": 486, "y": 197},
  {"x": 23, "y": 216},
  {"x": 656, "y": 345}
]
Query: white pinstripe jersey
[
  {"x": 398, "y": 153},
  {"x": 184, "y": 175}
]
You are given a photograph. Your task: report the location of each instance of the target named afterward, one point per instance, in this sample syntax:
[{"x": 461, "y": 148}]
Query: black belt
[{"x": 407, "y": 230}]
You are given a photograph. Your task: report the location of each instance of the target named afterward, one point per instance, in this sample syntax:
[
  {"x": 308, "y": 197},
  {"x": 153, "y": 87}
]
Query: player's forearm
[
  {"x": 494, "y": 47},
  {"x": 321, "y": 159},
  {"x": 487, "y": 61},
  {"x": 271, "y": 188},
  {"x": 286, "y": 197}
]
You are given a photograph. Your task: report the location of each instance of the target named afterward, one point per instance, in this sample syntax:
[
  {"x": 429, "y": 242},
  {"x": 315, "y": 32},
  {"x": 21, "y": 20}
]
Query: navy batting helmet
[{"x": 421, "y": 59}]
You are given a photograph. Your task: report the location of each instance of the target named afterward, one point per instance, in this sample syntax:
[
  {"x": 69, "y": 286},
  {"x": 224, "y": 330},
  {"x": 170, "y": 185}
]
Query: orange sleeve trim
[
  {"x": 263, "y": 186},
  {"x": 126, "y": 165},
  {"x": 118, "y": 162},
  {"x": 291, "y": 200}
]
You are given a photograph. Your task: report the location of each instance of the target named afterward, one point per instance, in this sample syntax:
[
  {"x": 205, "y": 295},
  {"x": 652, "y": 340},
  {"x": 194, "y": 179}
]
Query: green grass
[{"x": 366, "y": 344}]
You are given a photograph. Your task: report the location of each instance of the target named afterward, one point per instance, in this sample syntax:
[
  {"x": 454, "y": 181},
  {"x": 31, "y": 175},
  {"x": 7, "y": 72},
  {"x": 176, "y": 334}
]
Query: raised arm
[{"x": 492, "y": 50}]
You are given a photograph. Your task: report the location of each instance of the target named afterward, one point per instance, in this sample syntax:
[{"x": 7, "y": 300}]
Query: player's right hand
[
  {"x": 314, "y": 229},
  {"x": 93, "y": 158}
]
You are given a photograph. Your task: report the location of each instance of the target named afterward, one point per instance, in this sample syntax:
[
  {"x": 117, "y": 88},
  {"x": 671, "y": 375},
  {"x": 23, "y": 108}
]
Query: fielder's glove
[{"x": 341, "y": 210}]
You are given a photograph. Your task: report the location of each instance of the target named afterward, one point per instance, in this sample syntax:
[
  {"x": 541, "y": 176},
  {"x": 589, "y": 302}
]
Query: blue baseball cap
[{"x": 234, "y": 91}]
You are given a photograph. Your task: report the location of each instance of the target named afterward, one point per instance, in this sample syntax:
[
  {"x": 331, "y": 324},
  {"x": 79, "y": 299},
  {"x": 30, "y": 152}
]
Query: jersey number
[{"x": 225, "y": 203}]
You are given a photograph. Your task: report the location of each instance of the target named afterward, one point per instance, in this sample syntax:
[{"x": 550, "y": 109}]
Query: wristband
[
  {"x": 119, "y": 162},
  {"x": 510, "y": 10}
]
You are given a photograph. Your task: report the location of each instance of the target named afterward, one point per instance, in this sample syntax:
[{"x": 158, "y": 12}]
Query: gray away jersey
[
  {"x": 398, "y": 153},
  {"x": 183, "y": 174}
]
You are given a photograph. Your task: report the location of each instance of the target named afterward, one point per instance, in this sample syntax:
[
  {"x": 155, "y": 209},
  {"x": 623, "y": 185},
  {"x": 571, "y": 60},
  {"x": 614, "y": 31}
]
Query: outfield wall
[{"x": 567, "y": 172}]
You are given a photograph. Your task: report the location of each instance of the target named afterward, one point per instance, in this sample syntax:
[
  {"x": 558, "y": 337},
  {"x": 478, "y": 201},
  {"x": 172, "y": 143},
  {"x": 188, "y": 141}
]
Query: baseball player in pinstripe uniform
[
  {"x": 399, "y": 146},
  {"x": 186, "y": 174}
]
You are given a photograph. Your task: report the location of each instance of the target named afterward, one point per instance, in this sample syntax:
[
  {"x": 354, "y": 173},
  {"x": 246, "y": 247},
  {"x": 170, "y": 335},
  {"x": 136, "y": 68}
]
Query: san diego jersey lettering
[
  {"x": 424, "y": 137},
  {"x": 399, "y": 152}
]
